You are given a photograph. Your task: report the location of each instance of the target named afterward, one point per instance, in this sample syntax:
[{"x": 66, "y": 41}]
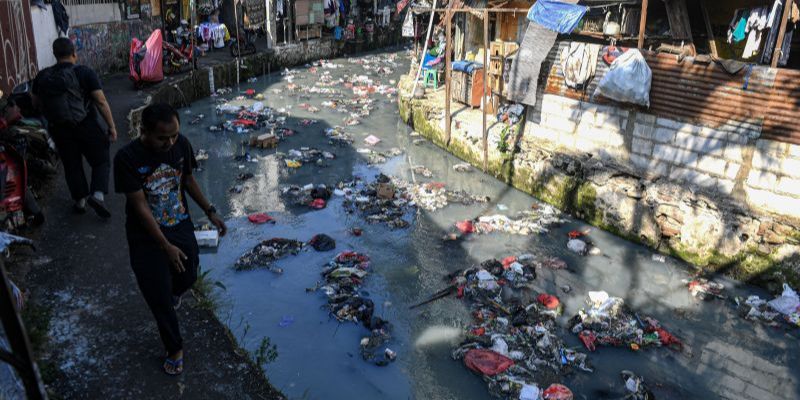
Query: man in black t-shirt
[
  {"x": 154, "y": 172},
  {"x": 89, "y": 138}
]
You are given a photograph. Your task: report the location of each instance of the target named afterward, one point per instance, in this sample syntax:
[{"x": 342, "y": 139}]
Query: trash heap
[
  {"x": 310, "y": 195},
  {"x": 379, "y": 202},
  {"x": 295, "y": 158},
  {"x": 342, "y": 280},
  {"x": 785, "y": 307},
  {"x": 525, "y": 223},
  {"x": 338, "y": 137},
  {"x": 703, "y": 289},
  {"x": 512, "y": 342},
  {"x": 635, "y": 387},
  {"x": 432, "y": 196},
  {"x": 264, "y": 254},
  {"x": 379, "y": 157},
  {"x": 609, "y": 322}
]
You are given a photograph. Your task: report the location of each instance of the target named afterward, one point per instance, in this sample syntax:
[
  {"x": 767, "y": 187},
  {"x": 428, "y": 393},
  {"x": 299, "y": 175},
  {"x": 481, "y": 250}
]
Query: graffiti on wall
[
  {"x": 18, "y": 61},
  {"x": 104, "y": 47}
]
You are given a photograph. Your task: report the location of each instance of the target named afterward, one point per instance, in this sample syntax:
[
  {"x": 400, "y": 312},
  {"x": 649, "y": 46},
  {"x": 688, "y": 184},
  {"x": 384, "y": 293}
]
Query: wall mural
[
  {"x": 105, "y": 46},
  {"x": 18, "y": 61}
]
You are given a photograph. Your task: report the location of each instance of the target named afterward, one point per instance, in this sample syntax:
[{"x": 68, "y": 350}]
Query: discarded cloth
[{"x": 322, "y": 242}]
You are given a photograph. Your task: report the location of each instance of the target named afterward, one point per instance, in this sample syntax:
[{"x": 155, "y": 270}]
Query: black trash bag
[
  {"x": 320, "y": 193},
  {"x": 322, "y": 242}
]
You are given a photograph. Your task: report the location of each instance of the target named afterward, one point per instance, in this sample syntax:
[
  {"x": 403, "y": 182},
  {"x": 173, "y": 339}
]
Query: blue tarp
[
  {"x": 466, "y": 66},
  {"x": 557, "y": 16}
]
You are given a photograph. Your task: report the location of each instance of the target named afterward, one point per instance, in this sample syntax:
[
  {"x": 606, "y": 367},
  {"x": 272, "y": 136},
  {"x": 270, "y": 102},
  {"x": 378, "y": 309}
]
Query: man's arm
[
  {"x": 142, "y": 210},
  {"x": 193, "y": 188},
  {"x": 102, "y": 105}
]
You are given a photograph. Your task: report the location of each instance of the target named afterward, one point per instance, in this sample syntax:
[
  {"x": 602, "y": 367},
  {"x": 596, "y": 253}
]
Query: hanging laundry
[
  {"x": 557, "y": 16},
  {"x": 774, "y": 24},
  {"x": 736, "y": 30},
  {"x": 756, "y": 24},
  {"x": 578, "y": 63}
]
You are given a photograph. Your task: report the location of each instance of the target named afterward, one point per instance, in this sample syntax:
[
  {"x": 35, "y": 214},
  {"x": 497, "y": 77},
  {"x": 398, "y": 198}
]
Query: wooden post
[
  {"x": 448, "y": 47},
  {"x": 787, "y": 11},
  {"x": 642, "y": 23},
  {"x": 485, "y": 88},
  {"x": 709, "y": 31}
]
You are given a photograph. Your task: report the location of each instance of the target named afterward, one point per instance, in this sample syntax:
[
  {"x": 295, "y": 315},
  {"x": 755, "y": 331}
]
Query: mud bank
[{"x": 718, "y": 236}]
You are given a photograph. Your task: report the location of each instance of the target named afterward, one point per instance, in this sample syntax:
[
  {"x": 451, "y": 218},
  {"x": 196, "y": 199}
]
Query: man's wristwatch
[{"x": 211, "y": 210}]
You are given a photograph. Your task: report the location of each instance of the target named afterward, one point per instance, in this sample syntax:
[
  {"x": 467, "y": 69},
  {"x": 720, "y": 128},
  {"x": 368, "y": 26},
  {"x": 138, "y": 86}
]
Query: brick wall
[{"x": 727, "y": 159}]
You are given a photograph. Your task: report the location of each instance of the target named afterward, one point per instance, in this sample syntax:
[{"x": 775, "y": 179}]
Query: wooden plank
[
  {"x": 642, "y": 23},
  {"x": 781, "y": 33},
  {"x": 709, "y": 31},
  {"x": 485, "y": 89},
  {"x": 448, "y": 48}
]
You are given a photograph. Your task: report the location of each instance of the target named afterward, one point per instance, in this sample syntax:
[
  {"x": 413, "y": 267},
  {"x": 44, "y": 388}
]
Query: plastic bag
[
  {"x": 787, "y": 303},
  {"x": 487, "y": 362},
  {"x": 627, "y": 80},
  {"x": 557, "y": 392}
]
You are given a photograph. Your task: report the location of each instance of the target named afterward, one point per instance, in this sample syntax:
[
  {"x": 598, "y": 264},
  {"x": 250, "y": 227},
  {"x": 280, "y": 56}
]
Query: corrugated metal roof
[{"x": 705, "y": 93}]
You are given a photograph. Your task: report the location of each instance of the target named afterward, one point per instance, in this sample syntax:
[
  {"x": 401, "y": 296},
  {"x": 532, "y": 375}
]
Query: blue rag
[{"x": 557, "y": 16}]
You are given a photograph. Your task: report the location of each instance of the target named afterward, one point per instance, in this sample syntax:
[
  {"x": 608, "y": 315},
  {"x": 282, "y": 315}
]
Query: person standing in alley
[
  {"x": 71, "y": 98},
  {"x": 154, "y": 172}
]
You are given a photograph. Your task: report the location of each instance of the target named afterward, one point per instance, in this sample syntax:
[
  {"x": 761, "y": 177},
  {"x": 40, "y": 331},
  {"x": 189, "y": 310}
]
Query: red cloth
[
  {"x": 150, "y": 67},
  {"x": 260, "y": 218},
  {"x": 549, "y": 301},
  {"x": 244, "y": 122},
  {"x": 250, "y": 92},
  {"x": 508, "y": 261},
  {"x": 487, "y": 362},
  {"x": 588, "y": 338},
  {"x": 557, "y": 391},
  {"x": 318, "y": 204},
  {"x": 575, "y": 234},
  {"x": 465, "y": 226},
  {"x": 667, "y": 339}
]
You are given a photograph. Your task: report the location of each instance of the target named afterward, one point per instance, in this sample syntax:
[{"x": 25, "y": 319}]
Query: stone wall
[
  {"x": 726, "y": 160},
  {"x": 667, "y": 184}
]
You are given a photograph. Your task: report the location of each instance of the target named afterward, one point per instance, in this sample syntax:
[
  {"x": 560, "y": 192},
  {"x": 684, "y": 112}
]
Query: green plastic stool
[{"x": 431, "y": 76}]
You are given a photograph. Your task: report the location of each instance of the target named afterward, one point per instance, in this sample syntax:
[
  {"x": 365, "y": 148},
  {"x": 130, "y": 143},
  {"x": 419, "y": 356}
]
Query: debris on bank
[
  {"x": 526, "y": 222},
  {"x": 264, "y": 254}
]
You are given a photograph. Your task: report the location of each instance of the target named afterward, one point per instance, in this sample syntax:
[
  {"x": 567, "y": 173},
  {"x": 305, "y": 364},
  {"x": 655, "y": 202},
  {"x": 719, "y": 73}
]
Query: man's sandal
[{"x": 173, "y": 367}]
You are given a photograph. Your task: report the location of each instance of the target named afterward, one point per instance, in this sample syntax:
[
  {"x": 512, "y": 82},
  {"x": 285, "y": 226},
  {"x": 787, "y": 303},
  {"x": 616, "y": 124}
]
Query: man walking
[
  {"x": 154, "y": 172},
  {"x": 72, "y": 99}
]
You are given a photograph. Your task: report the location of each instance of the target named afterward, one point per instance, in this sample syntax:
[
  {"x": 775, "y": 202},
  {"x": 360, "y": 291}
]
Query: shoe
[
  {"x": 176, "y": 302},
  {"x": 77, "y": 209},
  {"x": 98, "y": 206}
]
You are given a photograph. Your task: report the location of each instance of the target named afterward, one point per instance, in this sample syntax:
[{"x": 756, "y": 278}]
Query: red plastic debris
[
  {"x": 508, "y": 261},
  {"x": 244, "y": 122},
  {"x": 465, "y": 226},
  {"x": 460, "y": 292},
  {"x": 557, "y": 391},
  {"x": 487, "y": 362},
  {"x": 588, "y": 338},
  {"x": 480, "y": 331},
  {"x": 576, "y": 234},
  {"x": 250, "y": 92},
  {"x": 260, "y": 218},
  {"x": 318, "y": 204},
  {"x": 548, "y": 300},
  {"x": 668, "y": 339}
]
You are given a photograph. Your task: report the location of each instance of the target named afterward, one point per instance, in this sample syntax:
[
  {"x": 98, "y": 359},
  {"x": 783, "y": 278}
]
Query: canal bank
[{"x": 720, "y": 234}]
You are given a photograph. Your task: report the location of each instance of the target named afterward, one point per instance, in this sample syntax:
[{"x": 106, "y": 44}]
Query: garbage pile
[
  {"x": 264, "y": 254},
  {"x": 342, "y": 280},
  {"x": 379, "y": 157},
  {"x": 338, "y": 137},
  {"x": 609, "y": 322},
  {"x": 512, "y": 341},
  {"x": 635, "y": 387},
  {"x": 786, "y": 306},
  {"x": 295, "y": 158},
  {"x": 526, "y": 222},
  {"x": 310, "y": 195},
  {"x": 432, "y": 196},
  {"x": 380, "y": 201},
  {"x": 703, "y": 289}
]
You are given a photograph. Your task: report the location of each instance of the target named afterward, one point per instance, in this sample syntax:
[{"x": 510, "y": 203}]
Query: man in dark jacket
[{"x": 86, "y": 138}]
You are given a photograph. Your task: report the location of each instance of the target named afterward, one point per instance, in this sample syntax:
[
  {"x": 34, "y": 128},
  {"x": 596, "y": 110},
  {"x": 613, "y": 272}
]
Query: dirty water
[{"x": 725, "y": 356}]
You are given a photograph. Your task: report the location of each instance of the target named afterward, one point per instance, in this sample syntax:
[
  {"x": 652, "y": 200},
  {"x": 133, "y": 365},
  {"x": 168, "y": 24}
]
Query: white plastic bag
[
  {"x": 627, "y": 80},
  {"x": 787, "y": 303}
]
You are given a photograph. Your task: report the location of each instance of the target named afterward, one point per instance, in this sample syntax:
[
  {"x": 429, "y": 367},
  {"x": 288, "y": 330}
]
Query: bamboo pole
[
  {"x": 238, "y": 43},
  {"x": 424, "y": 50},
  {"x": 642, "y": 24},
  {"x": 787, "y": 11},
  {"x": 448, "y": 47},
  {"x": 485, "y": 83}
]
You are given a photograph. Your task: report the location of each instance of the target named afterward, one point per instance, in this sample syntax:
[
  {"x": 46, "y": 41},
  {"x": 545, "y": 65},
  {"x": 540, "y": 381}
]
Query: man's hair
[
  {"x": 62, "y": 48},
  {"x": 153, "y": 114}
]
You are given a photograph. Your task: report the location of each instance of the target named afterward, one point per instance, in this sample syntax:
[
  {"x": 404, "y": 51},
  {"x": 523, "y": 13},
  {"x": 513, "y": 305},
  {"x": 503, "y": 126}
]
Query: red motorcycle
[{"x": 179, "y": 58}]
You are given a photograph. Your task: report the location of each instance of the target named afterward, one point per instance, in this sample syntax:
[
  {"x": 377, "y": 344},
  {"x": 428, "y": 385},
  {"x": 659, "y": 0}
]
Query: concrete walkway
[{"x": 103, "y": 341}]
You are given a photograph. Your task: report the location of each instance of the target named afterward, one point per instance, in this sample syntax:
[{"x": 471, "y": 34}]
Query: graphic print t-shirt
[{"x": 160, "y": 176}]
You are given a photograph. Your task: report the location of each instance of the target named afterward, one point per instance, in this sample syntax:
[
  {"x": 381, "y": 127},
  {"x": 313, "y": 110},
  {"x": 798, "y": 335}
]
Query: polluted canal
[{"x": 508, "y": 328}]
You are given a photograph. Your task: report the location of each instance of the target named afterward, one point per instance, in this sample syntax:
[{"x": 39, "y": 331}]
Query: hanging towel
[
  {"x": 741, "y": 26},
  {"x": 578, "y": 63},
  {"x": 557, "y": 16}
]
